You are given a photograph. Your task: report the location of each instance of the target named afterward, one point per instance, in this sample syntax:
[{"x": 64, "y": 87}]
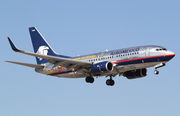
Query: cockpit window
[
  {"x": 161, "y": 49},
  {"x": 164, "y": 49}
]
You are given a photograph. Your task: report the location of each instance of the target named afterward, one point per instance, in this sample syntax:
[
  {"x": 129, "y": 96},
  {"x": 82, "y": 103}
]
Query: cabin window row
[
  {"x": 121, "y": 55},
  {"x": 103, "y": 58}
]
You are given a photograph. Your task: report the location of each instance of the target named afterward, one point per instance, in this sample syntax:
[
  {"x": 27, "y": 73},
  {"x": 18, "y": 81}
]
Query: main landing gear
[
  {"x": 110, "y": 82},
  {"x": 89, "y": 79}
]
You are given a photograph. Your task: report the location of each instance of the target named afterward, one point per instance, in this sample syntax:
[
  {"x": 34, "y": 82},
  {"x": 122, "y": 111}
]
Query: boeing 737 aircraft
[{"x": 130, "y": 62}]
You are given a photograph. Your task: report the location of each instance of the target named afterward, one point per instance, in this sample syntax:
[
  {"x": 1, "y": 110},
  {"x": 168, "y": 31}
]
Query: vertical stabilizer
[{"x": 40, "y": 45}]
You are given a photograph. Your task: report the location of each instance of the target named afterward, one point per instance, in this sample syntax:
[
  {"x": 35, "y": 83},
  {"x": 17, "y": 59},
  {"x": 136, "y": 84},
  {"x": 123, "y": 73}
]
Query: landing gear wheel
[
  {"x": 92, "y": 80},
  {"x": 110, "y": 82},
  {"x": 89, "y": 79},
  {"x": 156, "y": 72}
]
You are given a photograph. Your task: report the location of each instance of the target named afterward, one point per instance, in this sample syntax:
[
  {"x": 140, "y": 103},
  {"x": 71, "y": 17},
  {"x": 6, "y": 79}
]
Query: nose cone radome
[{"x": 170, "y": 54}]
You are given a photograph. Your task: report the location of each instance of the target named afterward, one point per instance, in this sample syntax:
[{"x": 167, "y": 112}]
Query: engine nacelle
[
  {"x": 101, "y": 67},
  {"x": 135, "y": 73}
]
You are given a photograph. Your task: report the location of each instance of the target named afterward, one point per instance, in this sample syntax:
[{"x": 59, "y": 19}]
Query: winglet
[{"x": 13, "y": 46}]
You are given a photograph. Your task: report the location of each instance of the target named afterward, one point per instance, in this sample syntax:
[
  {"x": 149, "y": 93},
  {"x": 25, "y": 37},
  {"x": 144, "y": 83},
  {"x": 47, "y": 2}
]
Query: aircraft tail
[{"x": 40, "y": 45}]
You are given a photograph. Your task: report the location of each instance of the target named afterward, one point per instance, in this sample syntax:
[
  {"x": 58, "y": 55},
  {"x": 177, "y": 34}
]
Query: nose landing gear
[
  {"x": 156, "y": 72},
  {"x": 158, "y": 66}
]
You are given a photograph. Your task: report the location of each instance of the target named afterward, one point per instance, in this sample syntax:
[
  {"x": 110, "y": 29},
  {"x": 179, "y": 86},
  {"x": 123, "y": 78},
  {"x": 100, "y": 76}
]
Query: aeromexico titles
[{"x": 130, "y": 62}]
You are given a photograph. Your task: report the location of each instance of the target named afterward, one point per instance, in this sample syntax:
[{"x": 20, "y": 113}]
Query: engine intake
[
  {"x": 101, "y": 67},
  {"x": 135, "y": 73}
]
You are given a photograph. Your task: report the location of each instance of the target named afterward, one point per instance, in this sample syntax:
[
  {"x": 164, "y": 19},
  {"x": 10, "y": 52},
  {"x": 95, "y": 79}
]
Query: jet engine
[
  {"x": 135, "y": 73},
  {"x": 101, "y": 67}
]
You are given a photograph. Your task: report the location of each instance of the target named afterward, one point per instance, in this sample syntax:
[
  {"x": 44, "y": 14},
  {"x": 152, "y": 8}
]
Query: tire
[
  {"x": 112, "y": 82},
  {"x": 156, "y": 72},
  {"x": 87, "y": 79},
  {"x": 108, "y": 82},
  {"x": 91, "y": 80}
]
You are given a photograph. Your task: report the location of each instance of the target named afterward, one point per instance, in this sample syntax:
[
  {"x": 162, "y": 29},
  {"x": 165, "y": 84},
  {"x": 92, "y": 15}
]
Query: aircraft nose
[{"x": 170, "y": 54}]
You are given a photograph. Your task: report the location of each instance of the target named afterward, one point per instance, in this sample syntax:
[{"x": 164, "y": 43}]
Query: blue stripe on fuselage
[{"x": 145, "y": 60}]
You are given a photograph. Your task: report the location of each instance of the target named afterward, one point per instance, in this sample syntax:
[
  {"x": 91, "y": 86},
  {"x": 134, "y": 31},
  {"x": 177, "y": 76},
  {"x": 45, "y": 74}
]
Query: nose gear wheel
[{"x": 156, "y": 72}]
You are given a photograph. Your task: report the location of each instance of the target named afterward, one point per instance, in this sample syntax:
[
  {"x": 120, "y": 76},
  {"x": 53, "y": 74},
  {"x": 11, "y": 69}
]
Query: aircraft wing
[
  {"x": 65, "y": 62},
  {"x": 27, "y": 64}
]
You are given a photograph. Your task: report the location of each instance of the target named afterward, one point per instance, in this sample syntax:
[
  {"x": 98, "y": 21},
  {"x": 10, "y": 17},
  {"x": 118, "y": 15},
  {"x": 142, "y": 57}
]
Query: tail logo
[{"x": 43, "y": 50}]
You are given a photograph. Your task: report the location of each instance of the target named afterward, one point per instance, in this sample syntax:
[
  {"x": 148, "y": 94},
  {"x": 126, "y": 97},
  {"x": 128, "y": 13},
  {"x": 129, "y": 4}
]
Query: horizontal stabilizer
[{"x": 27, "y": 64}]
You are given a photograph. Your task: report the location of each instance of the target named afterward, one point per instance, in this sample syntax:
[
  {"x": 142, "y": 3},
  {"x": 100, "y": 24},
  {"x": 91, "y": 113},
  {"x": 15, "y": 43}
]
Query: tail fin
[{"x": 40, "y": 45}]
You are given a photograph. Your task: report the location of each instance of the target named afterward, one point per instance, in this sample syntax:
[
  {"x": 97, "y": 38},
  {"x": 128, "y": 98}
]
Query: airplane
[{"x": 131, "y": 62}]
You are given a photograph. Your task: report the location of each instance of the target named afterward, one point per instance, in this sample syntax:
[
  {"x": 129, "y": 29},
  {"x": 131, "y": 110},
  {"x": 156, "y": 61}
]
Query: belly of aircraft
[{"x": 118, "y": 69}]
